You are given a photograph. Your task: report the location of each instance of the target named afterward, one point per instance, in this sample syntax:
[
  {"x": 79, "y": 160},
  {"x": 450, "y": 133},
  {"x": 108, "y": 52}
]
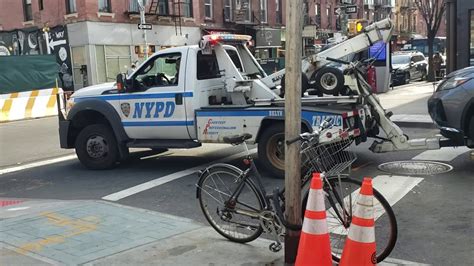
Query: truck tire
[
  {"x": 271, "y": 150},
  {"x": 96, "y": 147},
  {"x": 304, "y": 85},
  {"x": 328, "y": 80}
]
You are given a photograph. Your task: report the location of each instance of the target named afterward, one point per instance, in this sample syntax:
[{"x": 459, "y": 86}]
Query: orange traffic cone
[
  {"x": 314, "y": 247},
  {"x": 359, "y": 248}
]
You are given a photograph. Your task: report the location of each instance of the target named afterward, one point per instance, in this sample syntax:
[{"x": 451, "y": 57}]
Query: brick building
[
  {"x": 96, "y": 39},
  {"x": 409, "y": 23}
]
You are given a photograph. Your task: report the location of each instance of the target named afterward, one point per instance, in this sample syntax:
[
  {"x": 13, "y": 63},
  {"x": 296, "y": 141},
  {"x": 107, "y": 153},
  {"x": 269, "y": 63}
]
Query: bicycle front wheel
[
  {"x": 236, "y": 220},
  {"x": 340, "y": 201}
]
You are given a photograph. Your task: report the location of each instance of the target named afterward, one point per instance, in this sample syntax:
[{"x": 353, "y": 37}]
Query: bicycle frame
[{"x": 277, "y": 194}]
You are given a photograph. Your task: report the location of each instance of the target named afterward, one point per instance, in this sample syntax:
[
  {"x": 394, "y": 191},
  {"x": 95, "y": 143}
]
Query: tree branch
[
  {"x": 439, "y": 17},
  {"x": 421, "y": 8}
]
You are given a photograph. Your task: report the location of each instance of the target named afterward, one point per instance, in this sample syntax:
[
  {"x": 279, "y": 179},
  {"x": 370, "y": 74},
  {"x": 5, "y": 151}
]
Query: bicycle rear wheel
[
  {"x": 237, "y": 221},
  {"x": 341, "y": 197}
]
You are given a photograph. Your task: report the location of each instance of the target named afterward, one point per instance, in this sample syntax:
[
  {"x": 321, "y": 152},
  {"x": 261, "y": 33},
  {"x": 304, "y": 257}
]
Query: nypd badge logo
[{"x": 125, "y": 109}]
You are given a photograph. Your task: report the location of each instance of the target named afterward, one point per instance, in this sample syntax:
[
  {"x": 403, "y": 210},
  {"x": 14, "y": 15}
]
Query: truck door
[
  {"x": 153, "y": 107},
  {"x": 208, "y": 82}
]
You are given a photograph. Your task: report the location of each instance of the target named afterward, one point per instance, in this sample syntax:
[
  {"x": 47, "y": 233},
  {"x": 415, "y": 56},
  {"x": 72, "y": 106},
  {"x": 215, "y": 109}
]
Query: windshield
[{"x": 400, "y": 59}]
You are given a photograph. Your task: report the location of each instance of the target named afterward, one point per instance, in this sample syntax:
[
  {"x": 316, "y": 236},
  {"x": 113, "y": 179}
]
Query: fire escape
[{"x": 160, "y": 8}]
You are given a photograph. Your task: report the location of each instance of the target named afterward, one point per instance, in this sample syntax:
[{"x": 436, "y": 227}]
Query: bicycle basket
[{"x": 330, "y": 158}]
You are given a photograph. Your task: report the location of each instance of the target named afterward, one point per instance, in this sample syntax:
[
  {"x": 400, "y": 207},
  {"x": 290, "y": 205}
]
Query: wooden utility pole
[{"x": 294, "y": 25}]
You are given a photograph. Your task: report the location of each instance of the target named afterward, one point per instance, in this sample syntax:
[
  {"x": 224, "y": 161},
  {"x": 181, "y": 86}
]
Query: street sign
[
  {"x": 349, "y": 2},
  {"x": 144, "y": 26},
  {"x": 351, "y": 9}
]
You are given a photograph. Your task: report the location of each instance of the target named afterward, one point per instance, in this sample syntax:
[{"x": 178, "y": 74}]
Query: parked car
[
  {"x": 452, "y": 106},
  {"x": 408, "y": 66}
]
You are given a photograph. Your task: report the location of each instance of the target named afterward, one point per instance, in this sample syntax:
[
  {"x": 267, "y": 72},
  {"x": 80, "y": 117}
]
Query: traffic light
[{"x": 356, "y": 26}]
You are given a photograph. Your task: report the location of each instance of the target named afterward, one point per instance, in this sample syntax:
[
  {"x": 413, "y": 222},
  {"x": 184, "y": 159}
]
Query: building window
[
  {"x": 248, "y": 12},
  {"x": 228, "y": 10},
  {"x": 329, "y": 16},
  {"x": 104, "y": 6},
  {"x": 163, "y": 8},
  {"x": 208, "y": 9},
  {"x": 279, "y": 16},
  {"x": 263, "y": 11},
  {"x": 188, "y": 8},
  {"x": 317, "y": 13},
  {"x": 243, "y": 10},
  {"x": 71, "y": 6},
  {"x": 133, "y": 6},
  {"x": 27, "y": 10},
  {"x": 40, "y": 4}
]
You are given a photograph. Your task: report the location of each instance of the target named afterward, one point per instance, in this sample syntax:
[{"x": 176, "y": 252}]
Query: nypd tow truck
[{"x": 185, "y": 96}]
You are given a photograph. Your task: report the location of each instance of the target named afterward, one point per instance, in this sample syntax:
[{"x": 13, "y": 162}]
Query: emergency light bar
[{"x": 226, "y": 37}]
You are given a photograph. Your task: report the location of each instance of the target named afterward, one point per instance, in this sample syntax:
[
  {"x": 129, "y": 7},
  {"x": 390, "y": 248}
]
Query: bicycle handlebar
[{"x": 307, "y": 135}]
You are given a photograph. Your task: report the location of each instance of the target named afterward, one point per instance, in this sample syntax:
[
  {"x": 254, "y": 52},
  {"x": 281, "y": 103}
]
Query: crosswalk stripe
[
  {"x": 445, "y": 154},
  {"x": 393, "y": 188}
]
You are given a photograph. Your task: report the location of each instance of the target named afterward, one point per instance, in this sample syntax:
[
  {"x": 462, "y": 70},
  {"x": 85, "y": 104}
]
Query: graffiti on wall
[
  {"x": 59, "y": 46},
  {"x": 31, "y": 41}
]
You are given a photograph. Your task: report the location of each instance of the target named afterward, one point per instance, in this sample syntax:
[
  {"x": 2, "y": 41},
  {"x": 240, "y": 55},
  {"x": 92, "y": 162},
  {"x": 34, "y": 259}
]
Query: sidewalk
[
  {"x": 103, "y": 233},
  {"x": 47, "y": 232},
  {"x": 409, "y": 104}
]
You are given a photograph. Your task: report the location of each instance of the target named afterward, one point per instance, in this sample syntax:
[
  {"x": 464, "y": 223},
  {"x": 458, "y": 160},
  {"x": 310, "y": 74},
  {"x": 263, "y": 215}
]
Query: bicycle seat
[{"x": 237, "y": 139}]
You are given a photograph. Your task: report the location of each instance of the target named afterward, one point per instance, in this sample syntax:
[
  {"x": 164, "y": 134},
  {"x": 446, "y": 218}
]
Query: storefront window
[
  {"x": 79, "y": 66},
  {"x": 471, "y": 41},
  {"x": 111, "y": 60}
]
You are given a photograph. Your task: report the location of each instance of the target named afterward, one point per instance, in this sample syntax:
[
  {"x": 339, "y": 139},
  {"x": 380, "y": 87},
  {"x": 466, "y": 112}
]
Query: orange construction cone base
[
  {"x": 365, "y": 253},
  {"x": 310, "y": 255}
]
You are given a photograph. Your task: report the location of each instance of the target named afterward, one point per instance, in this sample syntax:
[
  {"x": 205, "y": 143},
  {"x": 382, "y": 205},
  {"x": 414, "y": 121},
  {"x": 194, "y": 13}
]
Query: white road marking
[
  {"x": 18, "y": 209},
  {"x": 445, "y": 154},
  {"x": 36, "y": 164},
  {"x": 393, "y": 188},
  {"x": 411, "y": 118},
  {"x": 165, "y": 179}
]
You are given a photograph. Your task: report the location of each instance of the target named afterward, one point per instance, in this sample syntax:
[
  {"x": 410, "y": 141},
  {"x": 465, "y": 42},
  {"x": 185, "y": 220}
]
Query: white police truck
[{"x": 184, "y": 96}]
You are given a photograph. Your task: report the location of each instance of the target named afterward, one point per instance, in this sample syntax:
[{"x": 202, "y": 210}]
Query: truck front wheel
[
  {"x": 271, "y": 149},
  {"x": 96, "y": 147}
]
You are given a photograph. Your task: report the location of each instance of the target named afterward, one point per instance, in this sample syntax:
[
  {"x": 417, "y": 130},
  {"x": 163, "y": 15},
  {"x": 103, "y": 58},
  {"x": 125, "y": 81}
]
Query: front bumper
[{"x": 438, "y": 114}]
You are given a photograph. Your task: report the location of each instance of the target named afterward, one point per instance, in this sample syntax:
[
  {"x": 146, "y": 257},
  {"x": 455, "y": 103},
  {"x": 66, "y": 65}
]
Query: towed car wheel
[
  {"x": 407, "y": 78},
  {"x": 329, "y": 80}
]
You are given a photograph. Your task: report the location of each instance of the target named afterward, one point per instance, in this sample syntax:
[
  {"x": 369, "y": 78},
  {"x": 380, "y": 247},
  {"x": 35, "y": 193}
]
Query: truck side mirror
[{"x": 120, "y": 82}]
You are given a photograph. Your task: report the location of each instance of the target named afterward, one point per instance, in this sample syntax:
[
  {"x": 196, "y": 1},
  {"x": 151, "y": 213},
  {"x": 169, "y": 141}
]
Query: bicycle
[{"x": 237, "y": 206}]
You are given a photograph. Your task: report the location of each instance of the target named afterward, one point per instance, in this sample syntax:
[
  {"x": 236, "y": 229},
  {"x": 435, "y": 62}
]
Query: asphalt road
[{"x": 435, "y": 213}]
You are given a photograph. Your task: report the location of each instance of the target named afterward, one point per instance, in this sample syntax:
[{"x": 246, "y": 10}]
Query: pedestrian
[{"x": 437, "y": 62}]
